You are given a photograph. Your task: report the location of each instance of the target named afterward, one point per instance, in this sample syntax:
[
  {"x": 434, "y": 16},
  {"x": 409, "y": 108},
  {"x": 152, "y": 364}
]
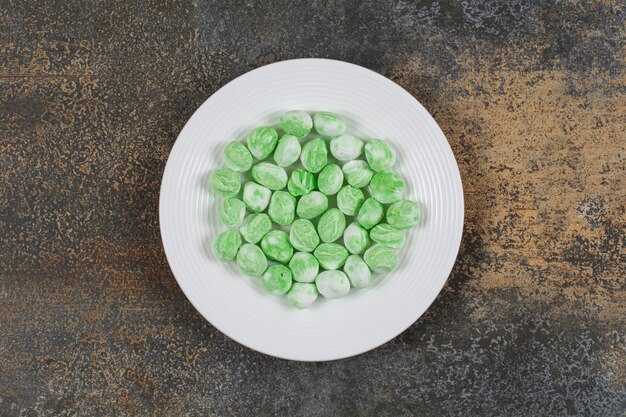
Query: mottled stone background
[{"x": 532, "y": 97}]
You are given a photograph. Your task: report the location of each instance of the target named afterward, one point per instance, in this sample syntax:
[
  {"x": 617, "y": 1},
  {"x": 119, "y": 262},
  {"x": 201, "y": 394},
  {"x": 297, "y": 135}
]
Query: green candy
[
  {"x": 303, "y": 236},
  {"x": 331, "y": 225},
  {"x": 312, "y": 205},
  {"x": 225, "y": 182},
  {"x": 302, "y": 295},
  {"x": 262, "y": 141},
  {"x": 237, "y": 157},
  {"x": 287, "y": 151},
  {"x": 256, "y": 196},
  {"x": 387, "y": 187},
  {"x": 301, "y": 182},
  {"x": 331, "y": 255},
  {"x": 403, "y": 214},
  {"x": 232, "y": 212},
  {"x": 357, "y": 271},
  {"x": 381, "y": 258},
  {"x": 370, "y": 213},
  {"x": 304, "y": 267},
  {"x": 276, "y": 246},
  {"x": 346, "y": 147},
  {"x": 388, "y": 235},
  {"x": 358, "y": 174},
  {"x": 355, "y": 239},
  {"x": 251, "y": 260},
  {"x": 349, "y": 200},
  {"x": 379, "y": 155},
  {"x": 332, "y": 284},
  {"x": 282, "y": 209},
  {"x": 328, "y": 124},
  {"x": 330, "y": 179},
  {"x": 227, "y": 244},
  {"x": 276, "y": 279},
  {"x": 269, "y": 175},
  {"x": 296, "y": 122},
  {"x": 314, "y": 155},
  {"x": 288, "y": 197},
  {"x": 255, "y": 226}
]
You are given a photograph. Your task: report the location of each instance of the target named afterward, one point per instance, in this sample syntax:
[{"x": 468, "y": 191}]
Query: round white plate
[{"x": 373, "y": 106}]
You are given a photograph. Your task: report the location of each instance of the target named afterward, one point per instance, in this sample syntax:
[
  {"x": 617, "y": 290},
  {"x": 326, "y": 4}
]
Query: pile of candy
[{"x": 310, "y": 258}]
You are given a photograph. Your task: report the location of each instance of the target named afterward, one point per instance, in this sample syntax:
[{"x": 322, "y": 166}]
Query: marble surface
[{"x": 531, "y": 96}]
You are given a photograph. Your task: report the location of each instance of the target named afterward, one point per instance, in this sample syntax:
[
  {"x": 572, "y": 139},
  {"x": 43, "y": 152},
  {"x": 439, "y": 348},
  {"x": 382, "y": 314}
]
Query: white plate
[{"x": 373, "y": 106}]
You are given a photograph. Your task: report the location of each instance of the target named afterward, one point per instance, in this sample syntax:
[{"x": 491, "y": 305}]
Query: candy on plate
[
  {"x": 296, "y": 122},
  {"x": 237, "y": 157},
  {"x": 232, "y": 212},
  {"x": 227, "y": 244},
  {"x": 332, "y": 284},
  {"x": 287, "y": 150},
  {"x": 256, "y": 196},
  {"x": 251, "y": 260},
  {"x": 225, "y": 182},
  {"x": 262, "y": 141}
]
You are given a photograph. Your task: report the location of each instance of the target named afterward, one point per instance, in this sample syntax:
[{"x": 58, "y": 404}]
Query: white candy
[
  {"x": 328, "y": 124},
  {"x": 296, "y": 122},
  {"x": 346, "y": 147},
  {"x": 302, "y": 295},
  {"x": 332, "y": 284},
  {"x": 287, "y": 151},
  {"x": 357, "y": 271}
]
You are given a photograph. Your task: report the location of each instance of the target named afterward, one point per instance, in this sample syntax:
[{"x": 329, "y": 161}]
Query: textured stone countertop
[{"x": 531, "y": 96}]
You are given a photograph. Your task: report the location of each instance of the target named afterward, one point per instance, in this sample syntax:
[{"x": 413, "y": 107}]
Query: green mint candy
[
  {"x": 358, "y": 174},
  {"x": 304, "y": 267},
  {"x": 330, "y": 179},
  {"x": 276, "y": 279},
  {"x": 282, "y": 209},
  {"x": 332, "y": 284},
  {"x": 331, "y": 225},
  {"x": 311, "y": 205},
  {"x": 269, "y": 175},
  {"x": 379, "y": 155},
  {"x": 232, "y": 212},
  {"x": 403, "y": 214},
  {"x": 276, "y": 246},
  {"x": 370, "y": 213},
  {"x": 301, "y": 182},
  {"x": 381, "y": 258},
  {"x": 227, "y": 244},
  {"x": 357, "y": 271},
  {"x": 388, "y": 235},
  {"x": 302, "y": 295},
  {"x": 255, "y": 226},
  {"x": 262, "y": 141},
  {"x": 349, "y": 200},
  {"x": 256, "y": 196},
  {"x": 328, "y": 124},
  {"x": 314, "y": 155},
  {"x": 387, "y": 187},
  {"x": 237, "y": 157},
  {"x": 303, "y": 236},
  {"x": 225, "y": 182},
  {"x": 296, "y": 122},
  {"x": 251, "y": 260},
  {"x": 287, "y": 151},
  {"x": 346, "y": 147},
  {"x": 331, "y": 255},
  {"x": 355, "y": 239}
]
